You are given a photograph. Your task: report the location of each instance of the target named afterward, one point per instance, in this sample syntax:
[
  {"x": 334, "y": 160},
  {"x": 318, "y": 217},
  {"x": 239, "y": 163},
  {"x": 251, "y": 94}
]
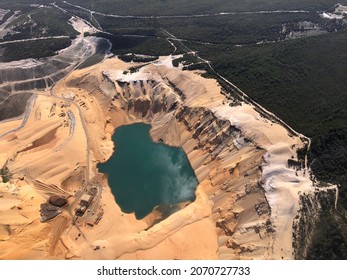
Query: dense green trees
[
  {"x": 33, "y": 49},
  {"x": 167, "y": 7},
  {"x": 328, "y": 241}
]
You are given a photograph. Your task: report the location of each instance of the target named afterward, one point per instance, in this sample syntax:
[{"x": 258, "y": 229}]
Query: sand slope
[{"x": 247, "y": 195}]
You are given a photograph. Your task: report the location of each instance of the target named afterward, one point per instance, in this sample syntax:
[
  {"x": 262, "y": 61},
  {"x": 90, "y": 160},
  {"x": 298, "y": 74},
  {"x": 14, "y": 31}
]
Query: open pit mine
[{"x": 56, "y": 204}]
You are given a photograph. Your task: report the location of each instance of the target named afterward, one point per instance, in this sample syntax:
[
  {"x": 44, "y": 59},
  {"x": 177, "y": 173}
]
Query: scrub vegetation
[
  {"x": 168, "y": 7},
  {"x": 33, "y": 49}
]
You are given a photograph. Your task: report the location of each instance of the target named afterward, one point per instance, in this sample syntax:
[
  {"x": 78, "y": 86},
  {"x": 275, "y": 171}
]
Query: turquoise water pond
[{"x": 143, "y": 174}]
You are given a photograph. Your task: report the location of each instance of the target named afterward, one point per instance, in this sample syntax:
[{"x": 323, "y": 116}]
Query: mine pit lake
[{"x": 144, "y": 175}]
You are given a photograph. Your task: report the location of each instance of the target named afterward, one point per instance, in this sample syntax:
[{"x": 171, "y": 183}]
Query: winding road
[
  {"x": 27, "y": 112},
  {"x": 33, "y": 39},
  {"x": 72, "y": 121},
  {"x": 226, "y": 13}
]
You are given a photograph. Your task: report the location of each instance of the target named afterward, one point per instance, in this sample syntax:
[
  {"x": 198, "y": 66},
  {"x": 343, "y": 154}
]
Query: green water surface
[{"x": 143, "y": 174}]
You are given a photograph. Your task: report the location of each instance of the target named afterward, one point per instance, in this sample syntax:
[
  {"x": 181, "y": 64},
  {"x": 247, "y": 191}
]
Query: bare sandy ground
[
  {"x": 245, "y": 202},
  {"x": 82, "y": 26}
]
